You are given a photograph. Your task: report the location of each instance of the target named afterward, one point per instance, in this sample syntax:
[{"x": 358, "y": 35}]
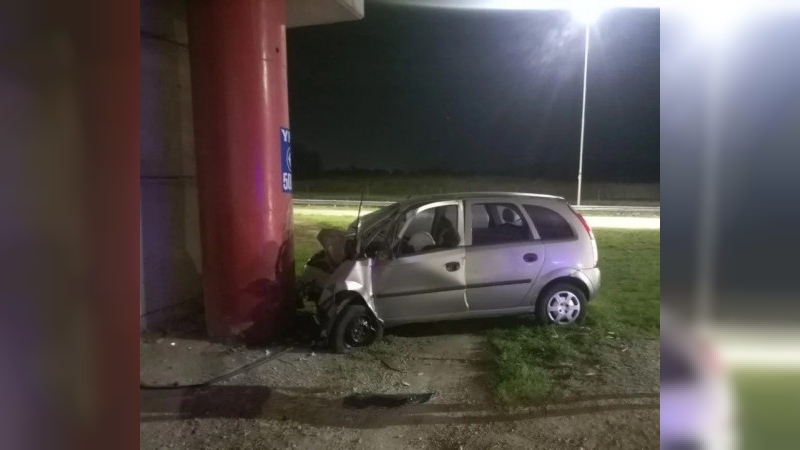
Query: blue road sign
[{"x": 286, "y": 160}]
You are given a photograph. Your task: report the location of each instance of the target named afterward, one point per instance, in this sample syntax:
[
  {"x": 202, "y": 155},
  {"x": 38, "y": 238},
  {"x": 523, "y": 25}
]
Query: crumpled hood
[{"x": 333, "y": 243}]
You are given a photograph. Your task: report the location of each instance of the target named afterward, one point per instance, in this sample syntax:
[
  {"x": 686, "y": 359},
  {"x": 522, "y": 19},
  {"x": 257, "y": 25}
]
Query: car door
[
  {"x": 503, "y": 255},
  {"x": 424, "y": 279}
]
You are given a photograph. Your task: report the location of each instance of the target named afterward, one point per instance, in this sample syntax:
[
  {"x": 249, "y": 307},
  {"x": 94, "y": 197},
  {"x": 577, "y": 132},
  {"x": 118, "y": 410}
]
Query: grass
[
  {"x": 530, "y": 358},
  {"x": 306, "y": 227},
  {"x": 630, "y": 296},
  {"x": 767, "y": 405},
  {"x": 397, "y": 187}
]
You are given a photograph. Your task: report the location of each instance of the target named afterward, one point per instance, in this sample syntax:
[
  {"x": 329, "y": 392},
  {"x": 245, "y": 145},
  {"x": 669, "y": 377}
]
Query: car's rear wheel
[
  {"x": 561, "y": 304},
  {"x": 355, "y": 329}
]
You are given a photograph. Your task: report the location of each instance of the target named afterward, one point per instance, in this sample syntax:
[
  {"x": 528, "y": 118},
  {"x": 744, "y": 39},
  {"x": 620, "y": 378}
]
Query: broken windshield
[{"x": 371, "y": 222}]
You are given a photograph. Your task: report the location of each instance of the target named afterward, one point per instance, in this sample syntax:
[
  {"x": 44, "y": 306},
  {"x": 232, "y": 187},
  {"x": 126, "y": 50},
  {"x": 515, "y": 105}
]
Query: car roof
[{"x": 471, "y": 195}]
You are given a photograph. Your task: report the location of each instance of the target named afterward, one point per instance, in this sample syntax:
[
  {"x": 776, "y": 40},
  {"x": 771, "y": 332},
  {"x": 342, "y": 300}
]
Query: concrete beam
[{"x": 301, "y": 13}]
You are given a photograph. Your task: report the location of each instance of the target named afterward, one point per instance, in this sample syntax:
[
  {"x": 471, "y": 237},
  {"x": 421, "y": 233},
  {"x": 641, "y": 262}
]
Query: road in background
[
  {"x": 610, "y": 209},
  {"x": 623, "y": 222}
]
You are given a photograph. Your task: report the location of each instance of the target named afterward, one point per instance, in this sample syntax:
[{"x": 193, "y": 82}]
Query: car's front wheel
[
  {"x": 561, "y": 304},
  {"x": 355, "y": 329}
]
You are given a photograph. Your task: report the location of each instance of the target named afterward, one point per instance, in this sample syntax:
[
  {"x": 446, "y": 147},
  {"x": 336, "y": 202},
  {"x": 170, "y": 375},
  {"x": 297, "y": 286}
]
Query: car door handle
[
  {"x": 530, "y": 257},
  {"x": 452, "y": 266}
]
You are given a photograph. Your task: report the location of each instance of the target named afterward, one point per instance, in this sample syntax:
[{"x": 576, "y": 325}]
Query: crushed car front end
[{"x": 340, "y": 274}]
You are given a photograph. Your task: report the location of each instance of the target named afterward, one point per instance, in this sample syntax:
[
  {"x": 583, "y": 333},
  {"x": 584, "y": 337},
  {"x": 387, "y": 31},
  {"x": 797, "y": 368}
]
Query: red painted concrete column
[{"x": 239, "y": 98}]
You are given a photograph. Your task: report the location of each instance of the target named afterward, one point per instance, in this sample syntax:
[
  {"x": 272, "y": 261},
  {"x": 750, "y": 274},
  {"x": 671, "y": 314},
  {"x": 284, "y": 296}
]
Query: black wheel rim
[{"x": 359, "y": 332}]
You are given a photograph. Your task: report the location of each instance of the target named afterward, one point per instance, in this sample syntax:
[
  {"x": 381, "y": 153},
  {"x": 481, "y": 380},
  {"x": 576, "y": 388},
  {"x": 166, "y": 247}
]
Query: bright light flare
[
  {"x": 715, "y": 22},
  {"x": 587, "y": 11},
  {"x": 718, "y": 23},
  {"x": 552, "y": 5}
]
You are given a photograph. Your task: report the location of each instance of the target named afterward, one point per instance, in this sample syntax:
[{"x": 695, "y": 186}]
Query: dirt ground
[{"x": 296, "y": 400}]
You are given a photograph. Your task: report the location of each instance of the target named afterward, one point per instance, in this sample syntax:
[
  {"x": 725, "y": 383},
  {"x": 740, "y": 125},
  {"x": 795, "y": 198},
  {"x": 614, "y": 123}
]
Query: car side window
[
  {"x": 550, "y": 224},
  {"x": 498, "y": 223},
  {"x": 431, "y": 229}
]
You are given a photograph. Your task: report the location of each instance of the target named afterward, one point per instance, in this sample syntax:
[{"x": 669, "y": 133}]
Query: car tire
[
  {"x": 355, "y": 328},
  {"x": 556, "y": 305}
]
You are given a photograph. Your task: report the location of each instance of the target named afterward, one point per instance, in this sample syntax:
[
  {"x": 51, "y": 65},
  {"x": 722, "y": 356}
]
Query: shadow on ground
[
  {"x": 467, "y": 326},
  {"x": 310, "y": 406}
]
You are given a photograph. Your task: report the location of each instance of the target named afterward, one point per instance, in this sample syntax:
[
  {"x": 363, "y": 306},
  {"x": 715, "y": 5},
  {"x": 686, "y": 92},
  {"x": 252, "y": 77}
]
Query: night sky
[{"x": 479, "y": 91}]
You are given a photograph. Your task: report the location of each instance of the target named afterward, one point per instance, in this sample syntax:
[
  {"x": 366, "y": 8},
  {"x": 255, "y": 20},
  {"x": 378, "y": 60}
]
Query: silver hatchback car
[{"x": 452, "y": 256}]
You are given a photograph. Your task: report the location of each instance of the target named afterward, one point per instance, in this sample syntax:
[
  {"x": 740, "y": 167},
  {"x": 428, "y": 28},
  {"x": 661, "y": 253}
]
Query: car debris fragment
[{"x": 359, "y": 401}]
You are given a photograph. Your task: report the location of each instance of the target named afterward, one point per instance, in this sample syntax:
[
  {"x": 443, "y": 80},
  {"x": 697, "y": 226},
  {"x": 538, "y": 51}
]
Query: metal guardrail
[
  {"x": 378, "y": 204},
  {"x": 620, "y": 208},
  {"x": 335, "y": 203}
]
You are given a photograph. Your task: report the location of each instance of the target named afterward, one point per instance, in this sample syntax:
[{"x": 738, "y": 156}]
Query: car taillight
[{"x": 585, "y": 224}]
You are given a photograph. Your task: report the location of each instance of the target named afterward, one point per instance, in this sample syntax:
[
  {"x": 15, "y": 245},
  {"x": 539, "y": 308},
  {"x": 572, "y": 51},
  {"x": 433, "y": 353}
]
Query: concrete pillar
[{"x": 240, "y": 109}]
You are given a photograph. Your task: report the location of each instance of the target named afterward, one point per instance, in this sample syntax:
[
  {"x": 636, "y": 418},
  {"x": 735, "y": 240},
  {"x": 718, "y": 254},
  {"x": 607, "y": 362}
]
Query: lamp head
[{"x": 587, "y": 11}]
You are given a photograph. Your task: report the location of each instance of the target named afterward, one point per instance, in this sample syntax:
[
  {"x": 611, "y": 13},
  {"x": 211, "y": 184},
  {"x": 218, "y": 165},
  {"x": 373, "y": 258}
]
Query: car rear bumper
[{"x": 592, "y": 278}]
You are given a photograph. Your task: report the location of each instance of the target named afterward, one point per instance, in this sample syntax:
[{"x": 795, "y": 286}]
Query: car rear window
[{"x": 550, "y": 224}]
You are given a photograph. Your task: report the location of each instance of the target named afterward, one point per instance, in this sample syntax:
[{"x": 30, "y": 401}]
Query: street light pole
[{"x": 583, "y": 112}]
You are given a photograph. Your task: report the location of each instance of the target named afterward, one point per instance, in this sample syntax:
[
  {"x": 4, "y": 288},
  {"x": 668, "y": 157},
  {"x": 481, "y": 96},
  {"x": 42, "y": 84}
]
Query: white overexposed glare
[
  {"x": 571, "y": 5},
  {"x": 713, "y": 22},
  {"x": 587, "y": 12}
]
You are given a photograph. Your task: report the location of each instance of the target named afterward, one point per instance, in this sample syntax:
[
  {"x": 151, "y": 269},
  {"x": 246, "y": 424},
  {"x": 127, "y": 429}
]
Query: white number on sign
[{"x": 287, "y": 181}]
